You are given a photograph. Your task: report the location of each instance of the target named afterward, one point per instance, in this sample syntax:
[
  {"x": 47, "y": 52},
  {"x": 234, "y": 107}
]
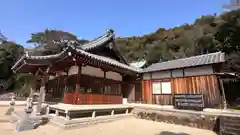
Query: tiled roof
[
  {"x": 138, "y": 64},
  {"x": 109, "y": 61},
  {"x": 109, "y": 35},
  {"x": 199, "y": 60},
  {"x": 93, "y": 56},
  {"x": 105, "y": 38},
  {"x": 86, "y": 46}
]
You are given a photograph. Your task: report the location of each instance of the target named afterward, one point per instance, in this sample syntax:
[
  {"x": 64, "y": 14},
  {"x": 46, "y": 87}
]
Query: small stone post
[
  {"x": 68, "y": 116},
  {"x": 29, "y": 107},
  {"x": 126, "y": 111},
  {"x": 93, "y": 114},
  {"x": 112, "y": 112},
  {"x": 11, "y": 107}
]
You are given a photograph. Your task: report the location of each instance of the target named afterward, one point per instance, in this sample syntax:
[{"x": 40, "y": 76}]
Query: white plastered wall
[
  {"x": 92, "y": 71},
  {"x": 113, "y": 76},
  {"x": 97, "y": 72}
]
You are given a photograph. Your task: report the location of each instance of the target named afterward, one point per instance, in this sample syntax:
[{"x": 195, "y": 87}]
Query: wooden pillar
[
  {"x": 223, "y": 94},
  {"x": 77, "y": 89},
  {"x": 55, "y": 92},
  {"x": 65, "y": 92},
  {"x": 65, "y": 81},
  {"x": 78, "y": 78},
  {"x": 104, "y": 81}
]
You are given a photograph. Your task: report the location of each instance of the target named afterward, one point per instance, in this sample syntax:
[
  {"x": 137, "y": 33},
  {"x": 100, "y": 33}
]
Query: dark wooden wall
[
  {"x": 132, "y": 89},
  {"x": 207, "y": 85}
]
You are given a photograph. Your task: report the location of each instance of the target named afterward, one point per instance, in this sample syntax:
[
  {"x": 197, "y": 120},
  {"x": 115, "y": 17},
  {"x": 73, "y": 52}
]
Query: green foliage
[
  {"x": 228, "y": 34},
  {"x": 178, "y": 42},
  {"x": 39, "y": 38},
  {"x": 207, "y": 34},
  {"x": 24, "y": 82},
  {"x": 9, "y": 53}
]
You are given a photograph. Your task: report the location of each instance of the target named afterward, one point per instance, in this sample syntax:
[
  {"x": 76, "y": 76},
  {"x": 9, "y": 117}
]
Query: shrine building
[{"x": 90, "y": 73}]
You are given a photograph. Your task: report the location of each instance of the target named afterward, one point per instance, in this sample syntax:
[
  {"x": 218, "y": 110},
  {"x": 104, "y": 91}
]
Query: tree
[
  {"x": 3, "y": 39},
  {"x": 24, "y": 83},
  {"x": 47, "y": 36},
  {"x": 9, "y": 53},
  {"x": 37, "y": 38},
  {"x": 45, "y": 40},
  {"x": 228, "y": 34},
  {"x": 174, "y": 43}
]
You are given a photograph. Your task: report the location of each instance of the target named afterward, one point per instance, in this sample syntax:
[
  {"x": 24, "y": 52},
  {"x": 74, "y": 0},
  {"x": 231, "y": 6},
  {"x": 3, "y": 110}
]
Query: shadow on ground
[
  {"x": 43, "y": 122},
  {"x": 170, "y": 133}
]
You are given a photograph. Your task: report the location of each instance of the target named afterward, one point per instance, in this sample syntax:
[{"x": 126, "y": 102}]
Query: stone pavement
[{"x": 131, "y": 126}]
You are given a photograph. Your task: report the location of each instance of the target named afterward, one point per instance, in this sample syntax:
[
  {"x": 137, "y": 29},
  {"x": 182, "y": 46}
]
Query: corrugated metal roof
[{"x": 199, "y": 60}]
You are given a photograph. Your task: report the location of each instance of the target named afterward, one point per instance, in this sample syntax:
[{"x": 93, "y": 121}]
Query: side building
[{"x": 192, "y": 75}]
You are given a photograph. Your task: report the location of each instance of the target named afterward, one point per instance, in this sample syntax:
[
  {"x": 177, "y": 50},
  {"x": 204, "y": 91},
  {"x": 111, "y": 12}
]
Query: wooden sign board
[
  {"x": 229, "y": 125},
  {"x": 189, "y": 101}
]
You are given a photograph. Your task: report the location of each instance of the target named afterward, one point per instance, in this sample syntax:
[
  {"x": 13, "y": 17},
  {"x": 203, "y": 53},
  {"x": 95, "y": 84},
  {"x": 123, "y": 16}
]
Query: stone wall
[{"x": 209, "y": 122}]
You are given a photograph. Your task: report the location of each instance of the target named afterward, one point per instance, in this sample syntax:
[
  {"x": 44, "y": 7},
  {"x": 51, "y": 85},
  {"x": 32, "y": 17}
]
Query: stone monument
[
  {"x": 25, "y": 123},
  {"x": 29, "y": 121}
]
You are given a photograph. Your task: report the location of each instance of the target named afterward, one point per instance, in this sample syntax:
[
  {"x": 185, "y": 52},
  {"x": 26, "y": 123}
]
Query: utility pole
[{"x": 233, "y": 5}]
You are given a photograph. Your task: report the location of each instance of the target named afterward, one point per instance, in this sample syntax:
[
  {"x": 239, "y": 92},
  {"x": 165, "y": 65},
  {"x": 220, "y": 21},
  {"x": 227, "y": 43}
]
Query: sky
[{"x": 89, "y": 19}]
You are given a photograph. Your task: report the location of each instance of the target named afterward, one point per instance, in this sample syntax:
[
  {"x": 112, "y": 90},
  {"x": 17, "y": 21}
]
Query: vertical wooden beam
[
  {"x": 78, "y": 78},
  {"x": 183, "y": 72},
  {"x": 143, "y": 90},
  {"x": 223, "y": 94},
  {"x": 65, "y": 92},
  {"x": 104, "y": 81},
  {"x": 57, "y": 80},
  {"x": 65, "y": 81}
]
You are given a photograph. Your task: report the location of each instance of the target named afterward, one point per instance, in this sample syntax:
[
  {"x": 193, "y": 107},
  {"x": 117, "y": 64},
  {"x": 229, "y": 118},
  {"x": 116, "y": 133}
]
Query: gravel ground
[{"x": 130, "y": 126}]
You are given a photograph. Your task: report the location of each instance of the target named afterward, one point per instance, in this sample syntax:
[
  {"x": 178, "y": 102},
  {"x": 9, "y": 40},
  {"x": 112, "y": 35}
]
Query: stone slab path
[{"x": 129, "y": 126}]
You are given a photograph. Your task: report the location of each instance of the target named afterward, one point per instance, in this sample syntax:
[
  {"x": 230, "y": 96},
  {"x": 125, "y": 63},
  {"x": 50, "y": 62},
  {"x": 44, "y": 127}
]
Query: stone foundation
[{"x": 192, "y": 120}]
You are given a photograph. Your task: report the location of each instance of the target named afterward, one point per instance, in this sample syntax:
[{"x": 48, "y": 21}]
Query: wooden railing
[{"x": 88, "y": 98}]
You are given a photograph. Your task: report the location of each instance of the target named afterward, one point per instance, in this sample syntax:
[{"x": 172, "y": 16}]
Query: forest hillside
[{"x": 207, "y": 34}]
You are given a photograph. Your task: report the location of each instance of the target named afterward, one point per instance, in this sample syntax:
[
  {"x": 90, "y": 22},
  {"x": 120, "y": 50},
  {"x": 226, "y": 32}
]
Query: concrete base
[
  {"x": 67, "y": 116},
  {"x": 83, "y": 122},
  {"x": 124, "y": 101}
]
